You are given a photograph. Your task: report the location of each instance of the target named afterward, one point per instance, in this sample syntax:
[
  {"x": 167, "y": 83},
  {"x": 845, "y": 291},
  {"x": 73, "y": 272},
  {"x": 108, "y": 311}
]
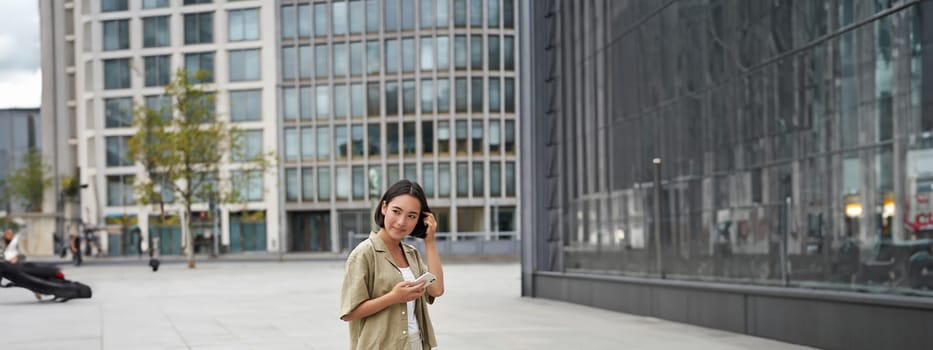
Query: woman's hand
[
  {"x": 406, "y": 291},
  {"x": 430, "y": 222}
]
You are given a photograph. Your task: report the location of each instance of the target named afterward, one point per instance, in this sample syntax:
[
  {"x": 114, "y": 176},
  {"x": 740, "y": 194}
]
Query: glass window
[
  {"x": 118, "y": 112},
  {"x": 408, "y": 54},
  {"x": 250, "y": 147},
  {"x": 339, "y": 17},
  {"x": 408, "y": 14},
  {"x": 322, "y": 102},
  {"x": 410, "y": 171},
  {"x": 194, "y": 2},
  {"x": 112, "y": 5},
  {"x": 372, "y": 16},
  {"x": 427, "y": 137},
  {"x": 393, "y": 174},
  {"x": 156, "y": 32},
  {"x": 305, "y": 96},
  {"x": 442, "y": 13},
  {"x": 476, "y": 52},
  {"x": 120, "y": 190},
  {"x": 307, "y": 184},
  {"x": 443, "y": 95},
  {"x": 343, "y": 182},
  {"x": 391, "y": 98},
  {"x": 305, "y": 61},
  {"x": 427, "y": 179},
  {"x": 460, "y": 52},
  {"x": 158, "y": 70},
  {"x": 243, "y": 24},
  {"x": 117, "y": 73},
  {"x": 341, "y": 148},
  {"x": 443, "y": 136},
  {"x": 495, "y": 137},
  {"x": 409, "y": 100},
  {"x": 494, "y": 105},
  {"x": 495, "y": 179},
  {"x": 289, "y": 29},
  {"x": 508, "y": 13},
  {"x": 408, "y": 131},
  {"x": 151, "y": 4},
  {"x": 476, "y": 134},
  {"x": 116, "y": 34},
  {"x": 307, "y": 143},
  {"x": 460, "y": 88},
  {"x": 160, "y": 104},
  {"x": 391, "y": 15},
  {"x": 508, "y": 52},
  {"x": 304, "y": 20},
  {"x": 372, "y": 131},
  {"x": 288, "y": 63},
  {"x": 391, "y": 56},
  {"x": 245, "y": 105},
  {"x": 321, "y": 65},
  {"x": 510, "y": 179},
  {"x": 357, "y": 100},
  {"x": 493, "y": 51},
  {"x": 291, "y": 144},
  {"x": 461, "y": 136},
  {"x": 199, "y": 28},
  {"x": 443, "y": 179},
  {"x": 356, "y": 58},
  {"x": 509, "y": 95},
  {"x": 290, "y": 101},
  {"x": 477, "y": 95},
  {"x": 359, "y": 182},
  {"x": 427, "y": 53},
  {"x": 323, "y": 184},
  {"x": 356, "y": 139},
  {"x": 443, "y": 52},
  {"x": 460, "y": 13},
  {"x": 463, "y": 179},
  {"x": 116, "y": 151},
  {"x": 476, "y": 13},
  {"x": 340, "y": 60},
  {"x": 244, "y": 65},
  {"x": 323, "y": 142},
  {"x": 392, "y": 146},
  {"x": 372, "y": 57},
  {"x": 478, "y": 171},
  {"x": 340, "y": 101},
  {"x": 493, "y": 13},
  {"x": 200, "y": 63},
  {"x": 427, "y": 96},
  {"x": 427, "y": 13},
  {"x": 356, "y": 16},
  {"x": 509, "y": 136},
  {"x": 373, "y": 94},
  {"x": 291, "y": 185},
  {"x": 321, "y": 22}
]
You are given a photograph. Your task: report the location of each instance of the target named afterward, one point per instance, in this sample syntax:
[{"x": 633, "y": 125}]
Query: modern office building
[
  {"x": 351, "y": 95},
  {"x": 375, "y": 91},
  {"x": 795, "y": 149},
  {"x": 19, "y": 131}
]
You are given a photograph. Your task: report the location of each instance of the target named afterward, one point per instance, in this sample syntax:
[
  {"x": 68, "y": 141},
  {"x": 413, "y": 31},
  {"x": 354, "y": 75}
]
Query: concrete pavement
[{"x": 293, "y": 305}]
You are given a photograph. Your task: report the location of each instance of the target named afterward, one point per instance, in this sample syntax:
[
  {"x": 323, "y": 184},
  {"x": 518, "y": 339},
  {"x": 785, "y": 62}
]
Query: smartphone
[{"x": 427, "y": 277}]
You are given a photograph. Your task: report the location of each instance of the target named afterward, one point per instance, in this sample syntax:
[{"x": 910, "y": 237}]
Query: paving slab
[{"x": 293, "y": 305}]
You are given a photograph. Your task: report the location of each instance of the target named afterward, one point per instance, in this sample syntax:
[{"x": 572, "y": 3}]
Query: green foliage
[
  {"x": 70, "y": 186},
  {"x": 29, "y": 181}
]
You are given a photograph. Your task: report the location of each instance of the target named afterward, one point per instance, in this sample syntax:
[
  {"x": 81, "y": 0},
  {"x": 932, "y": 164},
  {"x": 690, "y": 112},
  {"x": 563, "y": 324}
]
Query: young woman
[{"x": 384, "y": 307}]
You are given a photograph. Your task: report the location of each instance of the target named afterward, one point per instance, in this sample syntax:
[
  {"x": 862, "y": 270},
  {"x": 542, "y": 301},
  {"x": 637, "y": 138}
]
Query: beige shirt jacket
[{"x": 371, "y": 273}]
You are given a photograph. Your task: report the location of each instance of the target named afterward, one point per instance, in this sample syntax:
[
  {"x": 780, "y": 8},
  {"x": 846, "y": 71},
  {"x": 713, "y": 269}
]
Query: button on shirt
[{"x": 370, "y": 273}]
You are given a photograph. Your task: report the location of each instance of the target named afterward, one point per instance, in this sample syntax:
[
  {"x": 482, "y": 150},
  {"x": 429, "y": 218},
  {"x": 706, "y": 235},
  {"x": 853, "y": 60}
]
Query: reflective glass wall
[{"x": 793, "y": 145}]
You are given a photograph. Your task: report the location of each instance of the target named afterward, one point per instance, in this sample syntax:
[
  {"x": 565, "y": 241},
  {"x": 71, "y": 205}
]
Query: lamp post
[{"x": 657, "y": 216}]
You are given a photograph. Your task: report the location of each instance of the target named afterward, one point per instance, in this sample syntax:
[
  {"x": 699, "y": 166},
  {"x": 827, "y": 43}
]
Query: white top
[
  {"x": 12, "y": 250},
  {"x": 412, "y": 321}
]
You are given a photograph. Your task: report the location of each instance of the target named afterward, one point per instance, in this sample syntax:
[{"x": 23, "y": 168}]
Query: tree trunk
[{"x": 189, "y": 239}]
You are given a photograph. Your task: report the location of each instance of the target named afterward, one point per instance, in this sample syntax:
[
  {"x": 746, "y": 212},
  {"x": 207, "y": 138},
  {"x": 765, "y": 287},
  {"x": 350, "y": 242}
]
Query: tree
[
  {"x": 29, "y": 181},
  {"x": 181, "y": 150}
]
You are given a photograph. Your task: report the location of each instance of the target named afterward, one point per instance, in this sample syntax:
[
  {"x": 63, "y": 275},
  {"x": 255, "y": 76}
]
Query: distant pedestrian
[
  {"x": 378, "y": 282},
  {"x": 76, "y": 248}
]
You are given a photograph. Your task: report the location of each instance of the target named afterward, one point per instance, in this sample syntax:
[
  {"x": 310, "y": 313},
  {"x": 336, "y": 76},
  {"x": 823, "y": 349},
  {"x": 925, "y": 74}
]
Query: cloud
[
  {"x": 20, "y": 79},
  {"x": 21, "y": 89}
]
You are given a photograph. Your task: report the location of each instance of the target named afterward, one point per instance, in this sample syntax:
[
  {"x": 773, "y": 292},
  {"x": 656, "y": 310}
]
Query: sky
[{"x": 20, "y": 73}]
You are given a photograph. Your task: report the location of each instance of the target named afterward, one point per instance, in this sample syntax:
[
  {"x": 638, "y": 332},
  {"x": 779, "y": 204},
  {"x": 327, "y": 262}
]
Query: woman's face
[{"x": 401, "y": 215}]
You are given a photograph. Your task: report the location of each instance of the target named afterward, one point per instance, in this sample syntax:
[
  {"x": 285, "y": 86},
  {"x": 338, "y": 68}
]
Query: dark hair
[{"x": 403, "y": 187}]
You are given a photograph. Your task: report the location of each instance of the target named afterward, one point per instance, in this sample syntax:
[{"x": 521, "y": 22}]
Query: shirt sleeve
[
  {"x": 356, "y": 285},
  {"x": 424, "y": 267}
]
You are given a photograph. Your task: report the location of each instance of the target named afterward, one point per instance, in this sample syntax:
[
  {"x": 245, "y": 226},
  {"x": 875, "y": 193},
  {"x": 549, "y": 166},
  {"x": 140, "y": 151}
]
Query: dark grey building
[
  {"x": 795, "y": 146},
  {"x": 19, "y": 131}
]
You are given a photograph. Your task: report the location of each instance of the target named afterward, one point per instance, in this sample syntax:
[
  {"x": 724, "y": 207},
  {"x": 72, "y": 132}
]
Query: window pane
[
  {"x": 427, "y": 179},
  {"x": 290, "y": 101},
  {"x": 427, "y": 13},
  {"x": 341, "y": 148},
  {"x": 391, "y": 56},
  {"x": 307, "y": 143},
  {"x": 120, "y": 190},
  {"x": 391, "y": 99},
  {"x": 200, "y": 63},
  {"x": 199, "y": 28},
  {"x": 116, "y": 35},
  {"x": 356, "y": 139},
  {"x": 118, "y": 112},
  {"x": 323, "y": 184},
  {"x": 116, "y": 151},
  {"x": 476, "y": 134},
  {"x": 443, "y": 136},
  {"x": 305, "y": 96},
  {"x": 357, "y": 100},
  {"x": 510, "y": 95},
  {"x": 408, "y": 97},
  {"x": 510, "y": 179},
  {"x": 304, "y": 20},
  {"x": 340, "y": 101},
  {"x": 443, "y": 179},
  {"x": 321, "y": 19},
  {"x": 339, "y": 17},
  {"x": 372, "y": 57},
  {"x": 250, "y": 146},
  {"x": 476, "y": 52},
  {"x": 427, "y": 53},
  {"x": 408, "y": 131},
  {"x": 151, "y": 4},
  {"x": 463, "y": 179},
  {"x": 160, "y": 104},
  {"x": 321, "y": 65},
  {"x": 408, "y": 14},
  {"x": 461, "y": 136},
  {"x": 112, "y": 5},
  {"x": 392, "y": 139},
  {"x": 460, "y": 52},
  {"x": 305, "y": 60},
  {"x": 495, "y": 137},
  {"x": 510, "y": 136},
  {"x": 156, "y": 32},
  {"x": 117, "y": 73},
  {"x": 476, "y": 13},
  {"x": 442, "y": 13},
  {"x": 427, "y": 137},
  {"x": 460, "y": 13},
  {"x": 359, "y": 182},
  {"x": 460, "y": 89},
  {"x": 343, "y": 182},
  {"x": 443, "y": 95},
  {"x": 494, "y": 105},
  {"x": 493, "y": 50},
  {"x": 443, "y": 53},
  {"x": 495, "y": 179},
  {"x": 288, "y": 22},
  {"x": 478, "y": 171},
  {"x": 493, "y": 13},
  {"x": 373, "y": 139},
  {"x": 372, "y": 16},
  {"x": 340, "y": 60},
  {"x": 427, "y": 96},
  {"x": 289, "y": 64},
  {"x": 322, "y": 102},
  {"x": 373, "y": 94},
  {"x": 291, "y": 144},
  {"x": 323, "y": 142},
  {"x": 307, "y": 184},
  {"x": 158, "y": 70},
  {"x": 408, "y": 54},
  {"x": 508, "y": 52},
  {"x": 244, "y": 65},
  {"x": 243, "y": 24},
  {"x": 410, "y": 171},
  {"x": 392, "y": 174},
  {"x": 356, "y": 16},
  {"x": 356, "y": 58},
  {"x": 291, "y": 185},
  {"x": 391, "y": 15},
  {"x": 508, "y": 13},
  {"x": 245, "y": 105},
  {"x": 477, "y": 95}
]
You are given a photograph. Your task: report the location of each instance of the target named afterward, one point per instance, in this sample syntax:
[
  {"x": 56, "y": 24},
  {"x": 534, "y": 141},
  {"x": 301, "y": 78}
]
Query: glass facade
[
  {"x": 383, "y": 78},
  {"x": 793, "y": 146}
]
